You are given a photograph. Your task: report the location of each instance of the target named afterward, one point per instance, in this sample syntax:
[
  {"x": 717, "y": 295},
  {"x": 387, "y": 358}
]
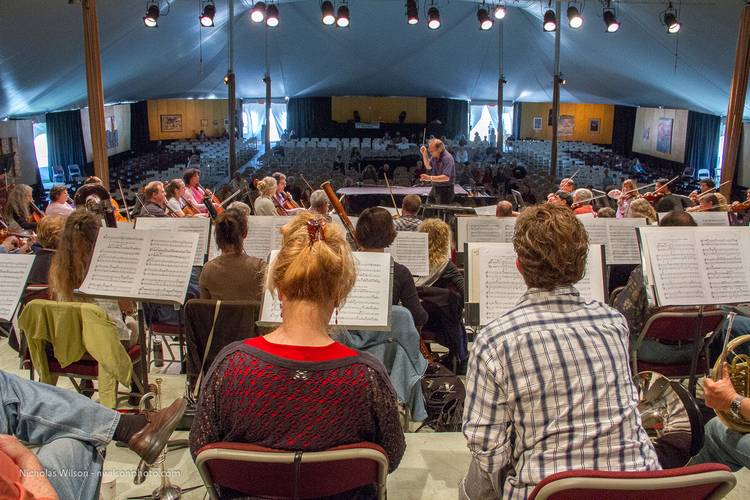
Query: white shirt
[{"x": 62, "y": 209}]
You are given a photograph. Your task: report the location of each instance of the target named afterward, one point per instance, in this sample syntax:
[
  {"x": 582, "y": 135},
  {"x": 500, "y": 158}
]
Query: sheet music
[
  {"x": 123, "y": 224},
  {"x": 698, "y": 265},
  {"x": 496, "y": 284},
  {"x": 618, "y": 237},
  {"x": 367, "y": 306},
  {"x": 14, "y": 272},
  {"x": 264, "y": 234},
  {"x": 706, "y": 218},
  {"x": 486, "y": 210},
  {"x": 198, "y": 225},
  {"x": 142, "y": 265},
  {"x": 410, "y": 249},
  {"x": 484, "y": 229}
]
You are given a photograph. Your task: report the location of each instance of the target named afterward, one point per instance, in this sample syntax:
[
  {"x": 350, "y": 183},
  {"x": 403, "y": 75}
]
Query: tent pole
[
  {"x": 95, "y": 90},
  {"x": 556, "y": 93},
  {"x": 735, "y": 109},
  {"x": 500, "y": 84},
  {"x": 267, "y": 81},
  {"x": 232, "y": 97}
]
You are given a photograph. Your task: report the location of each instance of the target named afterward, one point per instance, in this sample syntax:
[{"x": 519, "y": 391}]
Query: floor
[{"x": 433, "y": 464}]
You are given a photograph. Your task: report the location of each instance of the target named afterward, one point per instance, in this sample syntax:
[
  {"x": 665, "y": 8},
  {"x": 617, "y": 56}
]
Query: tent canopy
[{"x": 42, "y": 62}]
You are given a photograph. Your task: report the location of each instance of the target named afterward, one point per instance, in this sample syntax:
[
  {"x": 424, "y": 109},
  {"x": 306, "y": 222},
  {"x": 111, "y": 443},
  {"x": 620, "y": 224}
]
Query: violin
[
  {"x": 36, "y": 214},
  {"x": 653, "y": 196},
  {"x": 740, "y": 206},
  {"x": 213, "y": 205}
]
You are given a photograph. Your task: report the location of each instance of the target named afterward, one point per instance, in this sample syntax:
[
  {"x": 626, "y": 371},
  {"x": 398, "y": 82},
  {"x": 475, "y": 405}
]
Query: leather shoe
[{"x": 149, "y": 441}]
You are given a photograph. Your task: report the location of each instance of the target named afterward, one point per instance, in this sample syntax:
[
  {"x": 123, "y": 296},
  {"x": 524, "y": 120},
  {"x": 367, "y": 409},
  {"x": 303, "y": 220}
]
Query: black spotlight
[
  {"x": 412, "y": 14},
  {"x": 326, "y": 9},
  {"x": 342, "y": 17},
  {"x": 669, "y": 18},
  {"x": 207, "y": 16},
  {"x": 151, "y": 19},
  {"x": 272, "y": 16},
  {"x": 610, "y": 21},
  {"x": 550, "y": 21},
  {"x": 485, "y": 22},
  {"x": 575, "y": 20},
  {"x": 433, "y": 18},
  {"x": 258, "y": 12}
]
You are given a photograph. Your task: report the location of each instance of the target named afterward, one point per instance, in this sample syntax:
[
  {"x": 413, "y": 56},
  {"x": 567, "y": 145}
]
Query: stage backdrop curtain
[
  {"x": 516, "y": 132},
  {"x": 623, "y": 129},
  {"x": 453, "y": 115},
  {"x": 140, "y": 141},
  {"x": 65, "y": 140},
  {"x": 307, "y": 116},
  {"x": 702, "y": 142}
]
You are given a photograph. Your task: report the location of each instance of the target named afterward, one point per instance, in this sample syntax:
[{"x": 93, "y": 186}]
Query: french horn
[{"x": 738, "y": 365}]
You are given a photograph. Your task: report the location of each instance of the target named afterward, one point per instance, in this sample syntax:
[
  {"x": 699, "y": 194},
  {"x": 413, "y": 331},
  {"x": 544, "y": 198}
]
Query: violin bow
[
  {"x": 393, "y": 199},
  {"x": 124, "y": 201}
]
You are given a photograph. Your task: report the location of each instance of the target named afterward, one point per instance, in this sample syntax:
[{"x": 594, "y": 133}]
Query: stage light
[
  {"x": 272, "y": 16},
  {"x": 485, "y": 23},
  {"x": 326, "y": 8},
  {"x": 550, "y": 21},
  {"x": 669, "y": 19},
  {"x": 412, "y": 13},
  {"x": 258, "y": 12},
  {"x": 342, "y": 17},
  {"x": 433, "y": 18},
  {"x": 151, "y": 19},
  {"x": 207, "y": 16},
  {"x": 500, "y": 12},
  {"x": 610, "y": 21},
  {"x": 575, "y": 20}
]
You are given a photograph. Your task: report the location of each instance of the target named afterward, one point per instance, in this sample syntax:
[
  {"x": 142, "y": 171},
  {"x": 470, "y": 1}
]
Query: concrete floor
[{"x": 433, "y": 464}]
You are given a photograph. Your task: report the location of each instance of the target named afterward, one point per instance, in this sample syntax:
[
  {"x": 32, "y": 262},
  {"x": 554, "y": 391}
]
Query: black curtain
[
  {"x": 516, "y": 120},
  {"x": 140, "y": 139},
  {"x": 702, "y": 142},
  {"x": 448, "y": 117},
  {"x": 623, "y": 129},
  {"x": 309, "y": 116},
  {"x": 65, "y": 140}
]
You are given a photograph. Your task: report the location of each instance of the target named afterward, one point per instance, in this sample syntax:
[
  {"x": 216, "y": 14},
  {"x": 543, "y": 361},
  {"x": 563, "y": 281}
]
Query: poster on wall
[
  {"x": 537, "y": 123},
  {"x": 594, "y": 126},
  {"x": 566, "y": 125},
  {"x": 664, "y": 135},
  {"x": 171, "y": 123},
  {"x": 116, "y": 130}
]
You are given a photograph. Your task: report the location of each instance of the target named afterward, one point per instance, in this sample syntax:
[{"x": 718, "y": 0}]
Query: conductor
[{"x": 441, "y": 171}]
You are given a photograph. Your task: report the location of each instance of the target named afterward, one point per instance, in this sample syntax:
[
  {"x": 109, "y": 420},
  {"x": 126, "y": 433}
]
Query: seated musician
[
  {"x": 707, "y": 186},
  {"x": 58, "y": 205},
  {"x": 582, "y": 202},
  {"x": 18, "y": 208},
  {"x": 69, "y": 266},
  {"x": 282, "y": 198},
  {"x": 119, "y": 216},
  {"x": 504, "y": 208},
  {"x": 409, "y": 209},
  {"x": 265, "y": 203},
  {"x": 606, "y": 213},
  {"x": 375, "y": 232},
  {"x": 737, "y": 204},
  {"x": 156, "y": 200},
  {"x": 194, "y": 193},
  {"x": 233, "y": 275},
  {"x": 708, "y": 203},
  {"x": 626, "y": 195},
  {"x": 319, "y": 203},
  {"x": 560, "y": 197},
  {"x": 11, "y": 244},
  {"x": 544, "y": 370},
  {"x": 642, "y": 209},
  {"x": 665, "y": 200},
  {"x": 568, "y": 185},
  {"x": 296, "y": 388},
  {"x": 242, "y": 207},
  {"x": 48, "y": 233},
  {"x": 175, "y": 192}
]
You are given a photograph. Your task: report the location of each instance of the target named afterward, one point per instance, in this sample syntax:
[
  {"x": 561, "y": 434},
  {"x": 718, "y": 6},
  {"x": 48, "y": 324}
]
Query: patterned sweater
[{"x": 253, "y": 396}]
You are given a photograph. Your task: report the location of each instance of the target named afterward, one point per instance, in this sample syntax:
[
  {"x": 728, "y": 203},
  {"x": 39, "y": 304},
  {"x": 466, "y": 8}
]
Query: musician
[
  {"x": 18, "y": 208},
  {"x": 265, "y": 204},
  {"x": 156, "y": 200},
  {"x": 546, "y": 367},
  {"x": 568, "y": 185},
  {"x": 582, "y": 202},
  {"x": 708, "y": 203},
  {"x": 295, "y": 388},
  {"x": 706, "y": 186},
  {"x": 504, "y": 208},
  {"x": 58, "y": 205},
  {"x": 49, "y": 231},
  {"x": 116, "y": 206},
  {"x": 441, "y": 170},
  {"x": 233, "y": 275},
  {"x": 283, "y": 199},
  {"x": 746, "y": 202},
  {"x": 319, "y": 203},
  {"x": 175, "y": 192},
  {"x": 665, "y": 200},
  {"x": 12, "y": 244},
  {"x": 241, "y": 207},
  {"x": 640, "y": 208},
  {"x": 194, "y": 193},
  {"x": 409, "y": 209},
  {"x": 627, "y": 194},
  {"x": 560, "y": 197},
  {"x": 606, "y": 213},
  {"x": 375, "y": 231}
]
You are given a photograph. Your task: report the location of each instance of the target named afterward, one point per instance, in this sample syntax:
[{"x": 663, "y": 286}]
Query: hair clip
[{"x": 315, "y": 230}]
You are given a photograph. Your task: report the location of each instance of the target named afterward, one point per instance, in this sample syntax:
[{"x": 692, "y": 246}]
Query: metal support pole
[
  {"x": 556, "y": 93},
  {"x": 232, "y": 97}
]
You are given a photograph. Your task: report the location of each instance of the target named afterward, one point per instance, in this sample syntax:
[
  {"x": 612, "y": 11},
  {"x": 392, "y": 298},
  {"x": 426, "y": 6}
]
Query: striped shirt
[{"x": 549, "y": 389}]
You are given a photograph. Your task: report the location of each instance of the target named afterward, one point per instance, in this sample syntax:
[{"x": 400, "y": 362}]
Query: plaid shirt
[
  {"x": 549, "y": 389},
  {"x": 406, "y": 223}
]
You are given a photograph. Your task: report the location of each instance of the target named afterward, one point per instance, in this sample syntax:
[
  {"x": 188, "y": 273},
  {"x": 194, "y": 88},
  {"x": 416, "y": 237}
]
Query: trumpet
[{"x": 739, "y": 374}]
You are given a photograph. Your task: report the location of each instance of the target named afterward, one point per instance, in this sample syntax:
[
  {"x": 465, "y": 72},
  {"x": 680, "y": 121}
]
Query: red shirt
[{"x": 328, "y": 352}]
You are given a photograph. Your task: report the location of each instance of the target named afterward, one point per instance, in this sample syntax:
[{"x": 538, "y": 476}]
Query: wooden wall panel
[
  {"x": 214, "y": 111},
  {"x": 379, "y": 109},
  {"x": 582, "y": 114}
]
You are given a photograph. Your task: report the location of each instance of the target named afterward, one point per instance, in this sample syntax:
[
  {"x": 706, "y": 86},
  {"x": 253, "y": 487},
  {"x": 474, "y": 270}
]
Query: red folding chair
[
  {"x": 695, "y": 482},
  {"x": 250, "y": 470}
]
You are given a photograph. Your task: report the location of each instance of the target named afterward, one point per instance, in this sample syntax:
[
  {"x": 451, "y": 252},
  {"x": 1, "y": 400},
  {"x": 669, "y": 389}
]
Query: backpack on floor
[{"x": 444, "y": 395}]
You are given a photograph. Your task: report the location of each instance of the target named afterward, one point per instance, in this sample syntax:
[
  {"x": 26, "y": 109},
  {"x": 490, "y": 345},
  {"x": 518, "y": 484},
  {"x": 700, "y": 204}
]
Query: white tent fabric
[{"x": 42, "y": 65}]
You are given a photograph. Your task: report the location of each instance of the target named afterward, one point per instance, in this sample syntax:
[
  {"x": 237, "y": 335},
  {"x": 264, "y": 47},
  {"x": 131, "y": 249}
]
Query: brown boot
[{"x": 149, "y": 441}]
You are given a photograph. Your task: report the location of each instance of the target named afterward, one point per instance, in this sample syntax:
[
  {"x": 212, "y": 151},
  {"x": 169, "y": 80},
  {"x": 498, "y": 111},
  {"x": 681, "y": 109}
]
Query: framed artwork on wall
[
  {"x": 594, "y": 125},
  {"x": 537, "y": 125},
  {"x": 664, "y": 135},
  {"x": 204, "y": 122},
  {"x": 171, "y": 123}
]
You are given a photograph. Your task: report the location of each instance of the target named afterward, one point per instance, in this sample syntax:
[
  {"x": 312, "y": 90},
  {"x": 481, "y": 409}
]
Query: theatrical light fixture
[
  {"x": 550, "y": 21},
  {"x": 151, "y": 19},
  {"x": 272, "y": 16},
  {"x": 485, "y": 23},
  {"x": 342, "y": 17},
  {"x": 412, "y": 13},
  {"x": 610, "y": 21},
  {"x": 433, "y": 18},
  {"x": 669, "y": 19},
  {"x": 575, "y": 20},
  {"x": 500, "y": 12},
  {"x": 258, "y": 12},
  {"x": 326, "y": 9},
  {"x": 207, "y": 16}
]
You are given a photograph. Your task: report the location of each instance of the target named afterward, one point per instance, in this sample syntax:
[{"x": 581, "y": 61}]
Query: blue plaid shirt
[{"x": 549, "y": 389}]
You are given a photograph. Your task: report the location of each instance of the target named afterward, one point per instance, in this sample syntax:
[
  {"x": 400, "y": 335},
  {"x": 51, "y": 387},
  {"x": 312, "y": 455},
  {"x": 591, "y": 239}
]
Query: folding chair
[
  {"x": 695, "y": 482},
  {"x": 232, "y": 469}
]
